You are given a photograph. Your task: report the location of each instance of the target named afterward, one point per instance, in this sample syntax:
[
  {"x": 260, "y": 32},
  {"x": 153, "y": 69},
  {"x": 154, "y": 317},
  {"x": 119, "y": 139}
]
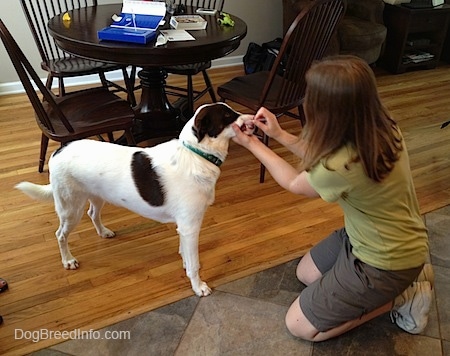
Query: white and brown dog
[{"x": 171, "y": 182}]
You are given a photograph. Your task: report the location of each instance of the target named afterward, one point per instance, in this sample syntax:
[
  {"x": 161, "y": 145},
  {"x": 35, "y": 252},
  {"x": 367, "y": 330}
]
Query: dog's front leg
[{"x": 189, "y": 254}]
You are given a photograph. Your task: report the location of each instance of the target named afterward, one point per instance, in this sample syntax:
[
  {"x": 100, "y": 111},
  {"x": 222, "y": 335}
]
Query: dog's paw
[
  {"x": 71, "y": 264},
  {"x": 202, "y": 290},
  {"x": 107, "y": 233}
]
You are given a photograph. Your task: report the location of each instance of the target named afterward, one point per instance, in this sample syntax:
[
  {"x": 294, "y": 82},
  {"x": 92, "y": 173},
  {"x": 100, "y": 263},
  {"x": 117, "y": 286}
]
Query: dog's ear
[
  {"x": 202, "y": 124},
  {"x": 212, "y": 120}
]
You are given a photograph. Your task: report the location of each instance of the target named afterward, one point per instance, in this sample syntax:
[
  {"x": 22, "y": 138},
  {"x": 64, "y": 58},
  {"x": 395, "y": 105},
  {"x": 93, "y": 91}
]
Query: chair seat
[
  {"x": 75, "y": 66},
  {"x": 247, "y": 90},
  {"x": 189, "y": 93},
  {"x": 87, "y": 117},
  {"x": 188, "y": 69},
  {"x": 355, "y": 33}
]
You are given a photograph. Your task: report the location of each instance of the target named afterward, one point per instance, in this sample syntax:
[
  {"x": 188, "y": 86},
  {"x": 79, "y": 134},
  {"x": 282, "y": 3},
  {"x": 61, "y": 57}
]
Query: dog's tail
[{"x": 36, "y": 191}]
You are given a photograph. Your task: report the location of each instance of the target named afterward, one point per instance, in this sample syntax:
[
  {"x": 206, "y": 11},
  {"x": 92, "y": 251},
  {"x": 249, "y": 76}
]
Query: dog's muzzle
[{"x": 247, "y": 126}]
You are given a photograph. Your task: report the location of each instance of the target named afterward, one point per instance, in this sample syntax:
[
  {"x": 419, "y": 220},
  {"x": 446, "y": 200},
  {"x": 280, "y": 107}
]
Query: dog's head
[{"x": 214, "y": 119}]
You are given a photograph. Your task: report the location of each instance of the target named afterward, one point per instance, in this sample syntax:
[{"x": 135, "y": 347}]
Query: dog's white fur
[{"x": 100, "y": 172}]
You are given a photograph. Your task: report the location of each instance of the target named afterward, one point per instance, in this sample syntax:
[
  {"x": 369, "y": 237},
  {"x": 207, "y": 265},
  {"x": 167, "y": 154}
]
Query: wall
[{"x": 263, "y": 18}]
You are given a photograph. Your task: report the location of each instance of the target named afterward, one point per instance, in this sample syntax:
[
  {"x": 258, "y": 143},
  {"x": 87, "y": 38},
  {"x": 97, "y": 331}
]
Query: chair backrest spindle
[
  {"x": 28, "y": 77},
  {"x": 38, "y": 13},
  {"x": 207, "y": 4},
  {"x": 305, "y": 41}
]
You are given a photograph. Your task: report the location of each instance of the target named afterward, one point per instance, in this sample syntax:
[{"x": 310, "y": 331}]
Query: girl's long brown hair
[{"x": 342, "y": 106}]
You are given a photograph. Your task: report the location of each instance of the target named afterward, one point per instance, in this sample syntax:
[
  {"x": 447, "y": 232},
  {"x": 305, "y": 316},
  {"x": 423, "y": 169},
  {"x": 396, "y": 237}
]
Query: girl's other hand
[{"x": 267, "y": 122}]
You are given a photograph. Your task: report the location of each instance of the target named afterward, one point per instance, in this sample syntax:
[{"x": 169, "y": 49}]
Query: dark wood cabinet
[
  {"x": 415, "y": 37},
  {"x": 446, "y": 49}
]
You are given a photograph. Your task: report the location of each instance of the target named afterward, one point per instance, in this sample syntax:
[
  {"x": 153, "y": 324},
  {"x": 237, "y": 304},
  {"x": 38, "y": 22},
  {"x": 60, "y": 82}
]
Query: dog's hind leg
[
  {"x": 68, "y": 219},
  {"x": 189, "y": 253},
  {"x": 94, "y": 212}
]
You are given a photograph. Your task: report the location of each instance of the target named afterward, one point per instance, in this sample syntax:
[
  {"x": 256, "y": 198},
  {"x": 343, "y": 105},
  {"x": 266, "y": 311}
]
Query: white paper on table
[
  {"x": 139, "y": 7},
  {"x": 177, "y": 35}
]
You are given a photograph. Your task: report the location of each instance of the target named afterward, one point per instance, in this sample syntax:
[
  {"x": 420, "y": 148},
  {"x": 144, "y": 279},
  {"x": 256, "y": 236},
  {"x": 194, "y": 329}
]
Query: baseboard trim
[{"x": 17, "y": 88}]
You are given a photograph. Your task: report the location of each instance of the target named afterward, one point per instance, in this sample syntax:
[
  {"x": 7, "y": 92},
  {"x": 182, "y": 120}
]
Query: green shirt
[{"x": 382, "y": 219}]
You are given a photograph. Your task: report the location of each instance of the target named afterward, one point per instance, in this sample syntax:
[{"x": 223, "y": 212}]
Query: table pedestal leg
[{"x": 156, "y": 117}]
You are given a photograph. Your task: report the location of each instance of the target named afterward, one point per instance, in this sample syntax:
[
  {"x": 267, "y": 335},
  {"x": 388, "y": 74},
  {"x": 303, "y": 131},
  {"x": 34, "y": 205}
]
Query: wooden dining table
[{"x": 156, "y": 117}]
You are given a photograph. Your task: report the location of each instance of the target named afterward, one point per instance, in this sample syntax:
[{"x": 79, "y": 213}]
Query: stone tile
[
  {"x": 378, "y": 337},
  {"x": 438, "y": 223},
  {"x": 226, "y": 324},
  {"x": 442, "y": 293},
  {"x": 277, "y": 284},
  {"x": 154, "y": 333},
  {"x": 446, "y": 348},
  {"x": 433, "y": 328}
]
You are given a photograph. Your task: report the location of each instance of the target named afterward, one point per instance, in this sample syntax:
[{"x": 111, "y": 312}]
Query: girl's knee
[
  {"x": 301, "y": 275},
  {"x": 297, "y": 324},
  {"x": 292, "y": 325},
  {"x": 307, "y": 271}
]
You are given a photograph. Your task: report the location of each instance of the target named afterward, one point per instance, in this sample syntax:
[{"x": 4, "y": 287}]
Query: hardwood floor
[{"x": 250, "y": 227}]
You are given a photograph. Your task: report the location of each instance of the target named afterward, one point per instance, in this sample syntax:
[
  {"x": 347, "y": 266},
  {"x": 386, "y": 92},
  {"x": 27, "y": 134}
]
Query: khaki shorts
[{"x": 348, "y": 288}]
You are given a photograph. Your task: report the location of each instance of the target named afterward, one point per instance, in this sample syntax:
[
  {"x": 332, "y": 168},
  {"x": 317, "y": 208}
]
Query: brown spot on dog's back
[
  {"x": 59, "y": 149},
  {"x": 146, "y": 179}
]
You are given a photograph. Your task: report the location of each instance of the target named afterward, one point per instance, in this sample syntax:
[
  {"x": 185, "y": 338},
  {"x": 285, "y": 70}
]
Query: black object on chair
[
  {"x": 58, "y": 63},
  {"x": 305, "y": 41},
  {"x": 189, "y": 70},
  {"x": 78, "y": 115}
]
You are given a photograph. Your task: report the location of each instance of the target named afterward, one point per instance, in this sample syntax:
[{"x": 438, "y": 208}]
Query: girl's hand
[
  {"x": 242, "y": 138},
  {"x": 267, "y": 122}
]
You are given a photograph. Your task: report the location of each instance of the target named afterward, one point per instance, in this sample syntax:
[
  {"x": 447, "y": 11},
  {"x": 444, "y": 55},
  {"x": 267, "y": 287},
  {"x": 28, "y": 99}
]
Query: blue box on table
[
  {"x": 137, "y": 23},
  {"x": 126, "y": 35}
]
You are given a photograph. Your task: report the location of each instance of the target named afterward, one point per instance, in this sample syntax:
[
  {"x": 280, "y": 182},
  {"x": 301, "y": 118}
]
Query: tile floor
[{"x": 246, "y": 317}]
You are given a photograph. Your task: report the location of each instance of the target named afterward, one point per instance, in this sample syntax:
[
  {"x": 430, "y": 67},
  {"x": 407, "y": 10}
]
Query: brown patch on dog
[
  {"x": 146, "y": 180},
  {"x": 212, "y": 120},
  {"x": 59, "y": 149}
]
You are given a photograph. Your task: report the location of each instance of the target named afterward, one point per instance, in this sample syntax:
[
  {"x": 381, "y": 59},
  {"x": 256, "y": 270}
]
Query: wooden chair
[
  {"x": 283, "y": 87},
  {"x": 58, "y": 63},
  {"x": 74, "y": 116},
  {"x": 189, "y": 70}
]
